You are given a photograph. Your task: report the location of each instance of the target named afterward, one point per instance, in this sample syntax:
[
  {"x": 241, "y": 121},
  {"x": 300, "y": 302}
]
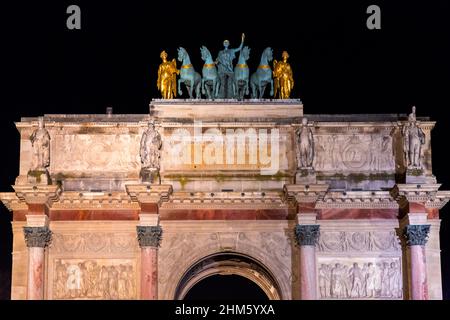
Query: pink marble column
[
  {"x": 416, "y": 238},
  {"x": 37, "y": 238},
  {"x": 149, "y": 273},
  {"x": 307, "y": 236},
  {"x": 149, "y": 238}
]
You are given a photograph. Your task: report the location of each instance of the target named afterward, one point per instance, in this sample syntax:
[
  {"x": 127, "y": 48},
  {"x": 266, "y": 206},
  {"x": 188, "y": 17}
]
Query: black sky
[{"x": 340, "y": 66}]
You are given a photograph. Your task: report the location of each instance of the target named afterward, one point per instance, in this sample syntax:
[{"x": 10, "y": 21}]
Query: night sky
[{"x": 339, "y": 65}]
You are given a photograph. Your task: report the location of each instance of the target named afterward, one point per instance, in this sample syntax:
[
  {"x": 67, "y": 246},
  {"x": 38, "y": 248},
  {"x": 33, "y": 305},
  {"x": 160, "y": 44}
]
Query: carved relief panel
[
  {"x": 95, "y": 153},
  {"x": 354, "y": 153},
  {"x": 354, "y": 241},
  {"x": 359, "y": 265},
  {"x": 93, "y": 265},
  {"x": 360, "y": 278},
  {"x": 109, "y": 279}
]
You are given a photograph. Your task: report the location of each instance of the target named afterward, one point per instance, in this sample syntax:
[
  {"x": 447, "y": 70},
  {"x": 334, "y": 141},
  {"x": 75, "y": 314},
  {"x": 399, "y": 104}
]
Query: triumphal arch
[
  {"x": 147, "y": 206},
  {"x": 307, "y": 206}
]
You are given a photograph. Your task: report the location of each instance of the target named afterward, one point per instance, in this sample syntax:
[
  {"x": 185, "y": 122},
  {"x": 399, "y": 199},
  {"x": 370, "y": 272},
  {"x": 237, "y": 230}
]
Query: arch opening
[
  {"x": 229, "y": 270},
  {"x": 225, "y": 287}
]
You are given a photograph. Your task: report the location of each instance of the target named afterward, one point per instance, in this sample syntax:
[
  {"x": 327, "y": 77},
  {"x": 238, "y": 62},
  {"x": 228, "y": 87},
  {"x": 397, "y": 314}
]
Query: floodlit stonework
[{"x": 216, "y": 187}]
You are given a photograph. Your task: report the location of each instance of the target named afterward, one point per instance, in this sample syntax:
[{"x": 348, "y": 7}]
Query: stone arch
[
  {"x": 226, "y": 263},
  {"x": 185, "y": 249}
]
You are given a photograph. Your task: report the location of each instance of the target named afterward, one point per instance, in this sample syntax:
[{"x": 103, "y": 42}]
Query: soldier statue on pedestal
[
  {"x": 150, "y": 152},
  {"x": 305, "y": 154},
  {"x": 414, "y": 138},
  {"x": 40, "y": 143}
]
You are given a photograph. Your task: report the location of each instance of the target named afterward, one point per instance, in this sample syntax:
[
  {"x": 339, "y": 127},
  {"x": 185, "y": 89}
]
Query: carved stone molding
[
  {"x": 149, "y": 236},
  {"x": 424, "y": 193},
  {"x": 95, "y": 200},
  {"x": 37, "y": 236},
  {"x": 304, "y": 193},
  {"x": 38, "y": 194},
  {"x": 307, "y": 234},
  {"x": 439, "y": 201},
  {"x": 12, "y": 202},
  {"x": 146, "y": 193},
  {"x": 358, "y": 241},
  {"x": 358, "y": 199},
  {"x": 97, "y": 243},
  {"x": 223, "y": 200},
  {"x": 416, "y": 234}
]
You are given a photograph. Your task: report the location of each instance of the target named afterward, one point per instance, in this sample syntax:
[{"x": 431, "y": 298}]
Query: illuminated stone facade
[{"x": 227, "y": 196}]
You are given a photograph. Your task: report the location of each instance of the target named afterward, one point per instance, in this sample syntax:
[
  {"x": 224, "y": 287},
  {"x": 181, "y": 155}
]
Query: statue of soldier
[
  {"x": 413, "y": 139},
  {"x": 305, "y": 145},
  {"x": 150, "y": 153},
  {"x": 40, "y": 142},
  {"x": 224, "y": 63}
]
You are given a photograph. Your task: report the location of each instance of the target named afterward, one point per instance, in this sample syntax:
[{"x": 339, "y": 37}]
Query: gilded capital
[
  {"x": 307, "y": 234},
  {"x": 416, "y": 234},
  {"x": 37, "y": 236},
  {"x": 149, "y": 236}
]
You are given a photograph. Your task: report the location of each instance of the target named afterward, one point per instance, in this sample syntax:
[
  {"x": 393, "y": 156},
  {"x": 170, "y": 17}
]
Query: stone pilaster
[
  {"x": 307, "y": 237},
  {"x": 305, "y": 198},
  {"x": 36, "y": 200},
  {"x": 416, "y": 237},
  {"x": 418, "y": 204},
  {"x": 149, "y": 238},
  {"x": 37, "y": 239},
  {"x": 149, "y": 232}
]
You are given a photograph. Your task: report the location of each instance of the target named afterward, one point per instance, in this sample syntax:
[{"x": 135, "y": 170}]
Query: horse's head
[
  {"x": 245, "y": 53},
  {"x": 181, "y": 54},
  {"x": 205, "y": 53},
  {"x": 268, "y": 52}
]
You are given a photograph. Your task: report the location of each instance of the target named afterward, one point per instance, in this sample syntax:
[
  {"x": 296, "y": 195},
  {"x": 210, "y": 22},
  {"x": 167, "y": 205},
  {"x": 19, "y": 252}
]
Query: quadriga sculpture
[
  {"x": 191, "y": 79},
  {"x": 242, "y": 74},
  {"x": 210, "y": 77},
  {"x": 263, "y": 75}
]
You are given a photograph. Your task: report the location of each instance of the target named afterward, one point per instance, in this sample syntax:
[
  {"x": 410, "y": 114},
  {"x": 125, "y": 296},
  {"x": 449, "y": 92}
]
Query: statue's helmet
[
  {"x": 226, "y": 43},
  {"x": 163, "y": 55},
  {"x": 285, "y": 54}
]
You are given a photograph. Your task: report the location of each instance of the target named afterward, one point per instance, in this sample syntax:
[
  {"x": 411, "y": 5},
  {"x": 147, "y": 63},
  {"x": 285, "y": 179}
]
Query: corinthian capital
[
  {"x": 307, "y": 234},
  {"x": 149, "y": 236},
  {"x": 417, "y": 234},
  {"x": 37, "y": 236}
]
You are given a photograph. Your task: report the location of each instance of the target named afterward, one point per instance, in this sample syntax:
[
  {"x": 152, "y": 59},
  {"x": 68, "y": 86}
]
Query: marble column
[
  {"x": 36, "y": 238},
  {"x": 307, "y": 236},
  {"x": 416, "y": 238},
  {"x": 149, "y": 238}
]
